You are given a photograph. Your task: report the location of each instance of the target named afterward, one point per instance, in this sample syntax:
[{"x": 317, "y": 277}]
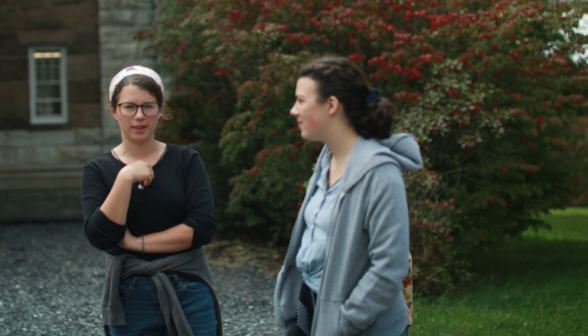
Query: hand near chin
[{"x": 139, "y": 171}]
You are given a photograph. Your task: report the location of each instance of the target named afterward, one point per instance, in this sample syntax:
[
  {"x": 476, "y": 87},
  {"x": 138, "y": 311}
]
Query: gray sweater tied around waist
[{"x": 191, "y": 263}]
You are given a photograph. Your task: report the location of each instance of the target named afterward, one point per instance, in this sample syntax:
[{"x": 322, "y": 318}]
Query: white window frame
[{"x": 52, "y": 119}]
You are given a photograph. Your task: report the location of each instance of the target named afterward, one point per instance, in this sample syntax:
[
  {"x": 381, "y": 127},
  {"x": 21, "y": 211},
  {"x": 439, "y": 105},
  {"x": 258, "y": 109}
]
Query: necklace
[{"x": 159, "y": 159}]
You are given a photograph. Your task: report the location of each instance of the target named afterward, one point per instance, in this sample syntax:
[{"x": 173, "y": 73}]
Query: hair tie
[
  {"x": 133, "y": 70},
  {"x": 371, "y": 97}
]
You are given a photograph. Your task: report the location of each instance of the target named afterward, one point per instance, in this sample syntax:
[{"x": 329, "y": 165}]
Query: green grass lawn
[{"x": 537, "y": 285}]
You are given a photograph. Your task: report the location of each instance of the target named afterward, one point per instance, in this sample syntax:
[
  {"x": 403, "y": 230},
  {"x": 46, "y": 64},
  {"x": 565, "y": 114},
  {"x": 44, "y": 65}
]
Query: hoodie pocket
[
  {"x": 328, "y": 314},
  {"x": 347, "y": 329},
  {"x": 390, "y": 322}
]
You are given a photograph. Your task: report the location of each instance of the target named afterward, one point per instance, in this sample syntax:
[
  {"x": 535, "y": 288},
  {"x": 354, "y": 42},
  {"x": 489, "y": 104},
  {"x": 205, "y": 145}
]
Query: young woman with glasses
[
  {"x": 149, "y": 205},
  {"x": 348, "y": 253}
]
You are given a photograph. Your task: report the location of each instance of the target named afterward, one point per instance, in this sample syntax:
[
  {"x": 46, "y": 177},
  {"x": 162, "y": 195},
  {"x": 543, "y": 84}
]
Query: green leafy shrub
[{"x": 435, "y": 266}]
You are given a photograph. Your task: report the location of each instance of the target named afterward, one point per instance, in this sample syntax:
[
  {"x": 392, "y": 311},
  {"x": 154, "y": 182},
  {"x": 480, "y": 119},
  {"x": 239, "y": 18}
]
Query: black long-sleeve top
[{"x": 179, "y": 193}]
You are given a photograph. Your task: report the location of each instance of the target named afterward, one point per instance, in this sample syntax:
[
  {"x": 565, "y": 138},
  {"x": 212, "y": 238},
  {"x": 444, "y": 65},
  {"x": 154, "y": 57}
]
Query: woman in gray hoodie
[{"x": 349, "y": 249}]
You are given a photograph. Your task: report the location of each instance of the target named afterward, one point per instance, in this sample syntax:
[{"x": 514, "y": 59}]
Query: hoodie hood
[
  {"x": 405, "y": 150},
  {"x": 399, "y": 149}
]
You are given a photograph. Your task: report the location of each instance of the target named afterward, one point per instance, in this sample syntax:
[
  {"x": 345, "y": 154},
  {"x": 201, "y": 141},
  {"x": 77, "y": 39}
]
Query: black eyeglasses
[{"x": 149, "y": 109}]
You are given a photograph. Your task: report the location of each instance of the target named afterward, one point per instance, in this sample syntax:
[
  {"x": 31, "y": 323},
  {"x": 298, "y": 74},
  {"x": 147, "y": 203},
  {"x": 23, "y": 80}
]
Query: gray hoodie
[{"x": 367, "y": 246}]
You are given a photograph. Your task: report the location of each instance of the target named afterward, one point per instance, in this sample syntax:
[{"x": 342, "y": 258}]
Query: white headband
[{"x": 133, "y": 70}]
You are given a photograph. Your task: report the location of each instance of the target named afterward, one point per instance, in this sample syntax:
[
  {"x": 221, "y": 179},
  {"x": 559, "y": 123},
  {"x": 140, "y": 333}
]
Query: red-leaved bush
[{"x": 488, "y": 88}]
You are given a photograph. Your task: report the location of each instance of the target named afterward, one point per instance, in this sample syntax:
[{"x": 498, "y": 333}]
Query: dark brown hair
[
  {"x": 143, "y": 82},
  {"x": 339, "y": 77}
]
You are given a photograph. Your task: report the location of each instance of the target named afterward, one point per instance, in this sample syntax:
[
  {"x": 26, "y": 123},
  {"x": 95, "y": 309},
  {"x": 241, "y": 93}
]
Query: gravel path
[{"x": 51, "y": 283}]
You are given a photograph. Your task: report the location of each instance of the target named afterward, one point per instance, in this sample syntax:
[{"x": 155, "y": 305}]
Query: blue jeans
[{"x": 143, "y": 313}]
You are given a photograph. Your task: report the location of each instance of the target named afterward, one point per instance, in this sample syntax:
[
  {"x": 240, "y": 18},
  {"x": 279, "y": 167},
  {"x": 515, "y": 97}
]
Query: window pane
[
  {"x": 48, "y": 109},
  {"x": 48, "y": 97},
  {"x": 48, "y": 91},
  {"x": 48, "y": 68}
]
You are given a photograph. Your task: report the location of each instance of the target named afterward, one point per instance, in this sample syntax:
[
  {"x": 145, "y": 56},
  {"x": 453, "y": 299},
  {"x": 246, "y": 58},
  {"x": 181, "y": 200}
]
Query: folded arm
[
  {"x": 198, "y": 227},
  {"x": 116, "y": 204},
  {"x": 102, "y": 232},
  {"x": 175, "y": 239},
  {"x": 105, "y": 209}
]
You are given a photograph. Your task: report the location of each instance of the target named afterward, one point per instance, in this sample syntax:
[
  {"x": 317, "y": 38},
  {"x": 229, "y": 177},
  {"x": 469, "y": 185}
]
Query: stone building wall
[
  {"x": 40, "y": 165},
  {"x": 69, "y": 23},
  {"x": 119, "y": 20}
]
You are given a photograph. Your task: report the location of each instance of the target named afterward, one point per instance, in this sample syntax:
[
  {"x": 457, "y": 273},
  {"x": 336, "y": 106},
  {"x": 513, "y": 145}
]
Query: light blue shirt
[{"x": 310, "y": 259}]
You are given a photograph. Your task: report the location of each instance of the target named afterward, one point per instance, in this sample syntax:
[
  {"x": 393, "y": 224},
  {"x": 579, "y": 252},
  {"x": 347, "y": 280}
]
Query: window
[{"x": 48, "y": 85}]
